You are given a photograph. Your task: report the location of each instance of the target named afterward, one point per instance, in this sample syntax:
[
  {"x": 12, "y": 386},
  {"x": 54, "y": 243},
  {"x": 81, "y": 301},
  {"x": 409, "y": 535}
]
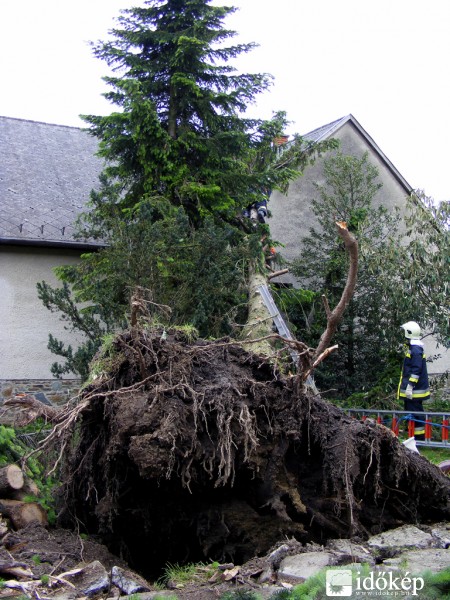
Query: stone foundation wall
[{"x": 49, "y": 391}]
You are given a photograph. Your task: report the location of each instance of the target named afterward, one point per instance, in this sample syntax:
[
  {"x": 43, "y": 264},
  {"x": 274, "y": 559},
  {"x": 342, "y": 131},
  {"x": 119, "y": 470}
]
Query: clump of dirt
[
  {"x": 191, "y": 451},
  {"x": 53, "y": 550}
]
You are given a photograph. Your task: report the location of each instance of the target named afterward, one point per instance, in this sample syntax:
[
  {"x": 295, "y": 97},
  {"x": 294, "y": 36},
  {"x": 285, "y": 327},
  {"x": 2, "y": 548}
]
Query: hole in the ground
[{"x": 160, "y": 524}]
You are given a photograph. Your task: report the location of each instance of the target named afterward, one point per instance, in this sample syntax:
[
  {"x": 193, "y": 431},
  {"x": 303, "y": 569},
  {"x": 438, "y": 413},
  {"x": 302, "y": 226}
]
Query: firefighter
[
  {"x": 261, "y": 210},
  {"x": 413, "y": 387},
  {"x": 256, "y": 211}
]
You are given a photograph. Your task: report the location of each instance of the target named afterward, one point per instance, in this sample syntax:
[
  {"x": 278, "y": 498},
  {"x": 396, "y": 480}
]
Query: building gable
[
  {"x": 292, "y": 214},
  {"x": 331, "y": 130}
]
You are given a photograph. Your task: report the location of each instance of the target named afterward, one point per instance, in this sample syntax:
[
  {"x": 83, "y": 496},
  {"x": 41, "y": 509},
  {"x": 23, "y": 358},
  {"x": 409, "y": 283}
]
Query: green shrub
[{"x": 14, "y": 447}]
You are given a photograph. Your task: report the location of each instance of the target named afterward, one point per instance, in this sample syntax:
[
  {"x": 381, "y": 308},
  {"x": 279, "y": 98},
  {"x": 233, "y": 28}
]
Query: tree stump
[
  {"x": 11, "y": 479},
  {"x": 22, "y": 514}
]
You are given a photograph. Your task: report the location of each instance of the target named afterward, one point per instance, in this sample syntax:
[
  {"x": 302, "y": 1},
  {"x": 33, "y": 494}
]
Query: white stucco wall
[{"x": 25, "y": 322}]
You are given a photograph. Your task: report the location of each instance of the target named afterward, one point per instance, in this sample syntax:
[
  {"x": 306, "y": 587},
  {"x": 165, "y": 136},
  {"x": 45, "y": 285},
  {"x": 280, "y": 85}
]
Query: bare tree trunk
[
  {"x": 259, "y": 322},
  {"x": 172, "y": 124}
]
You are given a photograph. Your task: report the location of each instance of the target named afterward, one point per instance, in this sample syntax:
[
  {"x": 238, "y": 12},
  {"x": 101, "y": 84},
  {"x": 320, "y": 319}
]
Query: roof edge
[
  {"x": 43, "y": 123},
  {"x": 81, "y": 246},
  {"x": 350, "y": 118}
]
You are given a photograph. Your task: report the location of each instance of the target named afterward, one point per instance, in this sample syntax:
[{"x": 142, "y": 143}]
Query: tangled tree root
[{"x": 193, "y": 451}]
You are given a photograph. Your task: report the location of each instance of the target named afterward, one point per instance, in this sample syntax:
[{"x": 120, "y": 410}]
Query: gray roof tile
[
  {"x": 325, "y": 131},
  {"x": 46, "y": 175}
]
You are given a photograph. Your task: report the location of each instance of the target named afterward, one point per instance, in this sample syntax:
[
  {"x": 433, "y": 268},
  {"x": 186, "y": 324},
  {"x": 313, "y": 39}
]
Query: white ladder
[{"x": 282, "y": 328}]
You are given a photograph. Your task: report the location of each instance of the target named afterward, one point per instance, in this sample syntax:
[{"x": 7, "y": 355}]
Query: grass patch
[
  {"x": 434, "y": 455},
  {"x": 180, "y": 576}
]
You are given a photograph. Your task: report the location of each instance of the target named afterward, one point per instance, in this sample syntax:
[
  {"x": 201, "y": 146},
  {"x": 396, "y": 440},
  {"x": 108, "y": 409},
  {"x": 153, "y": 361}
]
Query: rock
[
  {"x": 266, "y": 576},
  {"x": 418, "y": 561},
  {"x": 441, "y": 535},
  {"x": 128, "y": 582},
  {"x": 66, "y": 594},
  {"x": 407, "y": 536},
  {"x": 277, "y": 555},
  {"x": 302, "y": 566},
  {"x": 349, "y": 551},
  {"x": 90, "y": 579}
]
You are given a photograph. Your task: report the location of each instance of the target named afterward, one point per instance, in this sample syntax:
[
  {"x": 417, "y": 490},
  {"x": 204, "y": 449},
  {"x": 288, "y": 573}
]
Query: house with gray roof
[
  {"x": 46, "y": 175},
  {"x": 292, "y": 214}
]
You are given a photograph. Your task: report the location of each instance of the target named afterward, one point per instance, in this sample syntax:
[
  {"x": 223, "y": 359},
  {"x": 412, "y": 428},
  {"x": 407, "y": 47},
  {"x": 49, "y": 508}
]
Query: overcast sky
[{"x": 384, "y": 61}]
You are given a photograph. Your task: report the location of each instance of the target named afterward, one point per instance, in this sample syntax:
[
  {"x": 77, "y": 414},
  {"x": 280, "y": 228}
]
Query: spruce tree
[
  {"x": 182, "y": 162},
  {"x": 180, "y": 132}
]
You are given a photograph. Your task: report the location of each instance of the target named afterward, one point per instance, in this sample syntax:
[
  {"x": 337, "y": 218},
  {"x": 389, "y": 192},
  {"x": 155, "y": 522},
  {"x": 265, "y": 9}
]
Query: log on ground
[
  {"x": 22, "y": 514},
  {"x": 199, "y": 451},
  {"x": 11, "y": 479}
]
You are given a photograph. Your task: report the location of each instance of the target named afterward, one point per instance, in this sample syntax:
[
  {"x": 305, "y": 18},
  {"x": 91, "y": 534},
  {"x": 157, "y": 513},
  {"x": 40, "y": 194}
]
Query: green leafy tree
[
  {"x": 392, "y": 285},
  {"x": 181, "y": 163},
  {"x": 425, "y": 266}
]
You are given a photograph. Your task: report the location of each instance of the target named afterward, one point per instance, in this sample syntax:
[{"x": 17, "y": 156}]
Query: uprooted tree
[
  {"x": 181, "y": 449},
  {"x": 184, "y": 450}
]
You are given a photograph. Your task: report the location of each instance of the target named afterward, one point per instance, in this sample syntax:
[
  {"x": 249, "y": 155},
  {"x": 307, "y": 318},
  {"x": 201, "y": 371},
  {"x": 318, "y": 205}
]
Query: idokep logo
[{"x": 339, "y": 582}]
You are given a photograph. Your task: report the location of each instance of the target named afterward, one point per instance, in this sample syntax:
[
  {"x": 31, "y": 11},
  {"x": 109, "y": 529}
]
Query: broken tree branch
[
  {"x": 335, "y": 316},
  {"x": 326, "y": 305},
  {"x": 318, "y": 360},
  {"x": 277, "y": 273}
]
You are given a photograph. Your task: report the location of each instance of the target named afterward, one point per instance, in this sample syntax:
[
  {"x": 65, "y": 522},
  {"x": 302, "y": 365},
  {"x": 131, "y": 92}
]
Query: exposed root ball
[{"x": 188, "y": 452}]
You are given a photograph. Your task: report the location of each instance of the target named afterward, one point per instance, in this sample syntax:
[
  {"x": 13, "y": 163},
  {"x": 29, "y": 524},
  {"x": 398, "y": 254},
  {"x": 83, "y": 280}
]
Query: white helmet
[{"x": 412, "y": 330}]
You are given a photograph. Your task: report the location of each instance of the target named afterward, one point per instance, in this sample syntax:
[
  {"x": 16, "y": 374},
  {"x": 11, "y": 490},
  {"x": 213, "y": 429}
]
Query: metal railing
[{"x": 436, "y": 424}]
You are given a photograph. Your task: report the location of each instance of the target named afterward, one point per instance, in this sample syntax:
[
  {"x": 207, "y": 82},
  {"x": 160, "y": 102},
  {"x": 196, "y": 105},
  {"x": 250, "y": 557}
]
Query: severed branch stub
[
  {"x": 334, "y": 316},
  {"x": 318, "y": 360}
]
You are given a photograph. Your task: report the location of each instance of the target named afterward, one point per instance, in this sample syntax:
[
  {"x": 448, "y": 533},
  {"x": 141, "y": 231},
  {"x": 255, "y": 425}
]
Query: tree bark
[
  {"x": 259, "y": 322},
  {"x": 22, "y": 514},
  {"x": 11, "y": 479},
  {"x": 31, "y": 409}
]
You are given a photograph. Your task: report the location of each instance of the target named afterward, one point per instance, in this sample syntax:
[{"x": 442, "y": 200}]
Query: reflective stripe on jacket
[{"x": 414, "y": 372}]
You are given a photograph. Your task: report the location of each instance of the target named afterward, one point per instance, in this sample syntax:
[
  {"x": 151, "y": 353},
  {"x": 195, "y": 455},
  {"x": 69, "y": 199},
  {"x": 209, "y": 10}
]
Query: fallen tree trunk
[
  {"x": 216, "y": 455},
  {"x": 29, "y": 409}
]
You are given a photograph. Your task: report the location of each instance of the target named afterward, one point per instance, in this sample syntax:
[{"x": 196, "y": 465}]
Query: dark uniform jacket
[{"x": 414, "y": 372}]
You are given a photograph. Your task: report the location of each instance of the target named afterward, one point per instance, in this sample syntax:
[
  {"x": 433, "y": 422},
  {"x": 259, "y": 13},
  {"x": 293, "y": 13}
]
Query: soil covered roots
[{"x": 194, "y": 451}]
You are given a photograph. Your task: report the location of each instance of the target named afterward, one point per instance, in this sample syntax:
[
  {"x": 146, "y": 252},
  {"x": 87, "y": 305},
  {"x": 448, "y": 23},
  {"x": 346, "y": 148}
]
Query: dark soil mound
[{"x": 193, "y": 451}]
